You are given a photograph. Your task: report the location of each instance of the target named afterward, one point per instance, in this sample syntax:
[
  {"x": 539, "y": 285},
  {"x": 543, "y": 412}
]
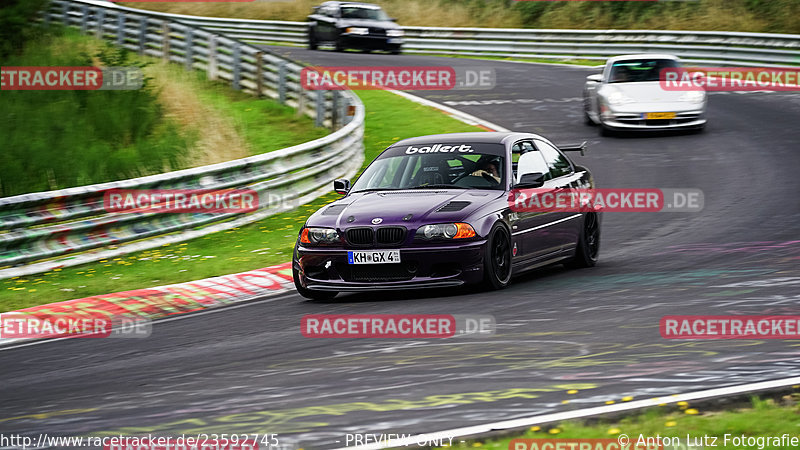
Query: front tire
[
  {"x": 308, "y": 293},
  {"x": 588, "y": 248},
  {"x": 497, "y": 258},
  {"x": 312, "y": 41},
  {"x": 587, "y": 120}
]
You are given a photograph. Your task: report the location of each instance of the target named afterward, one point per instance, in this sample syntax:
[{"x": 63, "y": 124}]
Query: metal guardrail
[
  {"x": 698, "y": 47},
  {"x": 53, "y": 224}
]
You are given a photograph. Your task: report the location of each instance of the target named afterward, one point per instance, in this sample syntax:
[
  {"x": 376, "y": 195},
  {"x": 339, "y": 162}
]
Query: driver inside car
[{"x": 488, "y": 169}]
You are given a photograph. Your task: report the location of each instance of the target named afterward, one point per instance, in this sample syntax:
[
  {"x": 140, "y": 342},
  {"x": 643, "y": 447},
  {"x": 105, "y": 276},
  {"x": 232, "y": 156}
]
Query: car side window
[
  {"x": 530, "y": 162},
  {"x": 517, "y": 150},
  {"x": 557, "y": 164},
  {"x": 329, "y": 11}
]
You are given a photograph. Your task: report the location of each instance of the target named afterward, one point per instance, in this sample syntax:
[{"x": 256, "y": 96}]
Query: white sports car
[{"x": 627, "y": 95}]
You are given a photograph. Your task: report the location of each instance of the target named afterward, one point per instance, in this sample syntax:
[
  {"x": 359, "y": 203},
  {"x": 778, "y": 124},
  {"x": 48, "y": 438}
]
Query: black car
[
  {"x": 439, "y": 211},
  {"x": 353, "y": 25}
]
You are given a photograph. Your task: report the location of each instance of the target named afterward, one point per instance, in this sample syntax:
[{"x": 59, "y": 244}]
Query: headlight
[
  {"x": 394, "y": 33},
  {"x": 618, "y": 98},
  {"x": 319, "y": 236},
  {"x": 446, "y": 231},
  {"x": 357, "y": 30},
  {"x": 693, "y": 96}
]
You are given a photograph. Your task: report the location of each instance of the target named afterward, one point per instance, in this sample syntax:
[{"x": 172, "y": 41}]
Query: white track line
[
  {"x": 456, "y": 114},
  {"x": 508, "y": 425}
]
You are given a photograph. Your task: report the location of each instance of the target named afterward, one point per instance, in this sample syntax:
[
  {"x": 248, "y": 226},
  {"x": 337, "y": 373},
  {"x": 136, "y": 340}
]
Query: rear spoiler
[{"x": 574, "y": 148}]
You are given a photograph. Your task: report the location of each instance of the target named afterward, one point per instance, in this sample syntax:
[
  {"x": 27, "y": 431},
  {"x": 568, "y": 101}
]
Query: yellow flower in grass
[
  {"x": 536, "y": 428},
  {"x": 614, "y": 431},
  {"x": 671, "y": 423},
  {"x": 692, "y": 411},
  {"x": 554, "y": 431}
]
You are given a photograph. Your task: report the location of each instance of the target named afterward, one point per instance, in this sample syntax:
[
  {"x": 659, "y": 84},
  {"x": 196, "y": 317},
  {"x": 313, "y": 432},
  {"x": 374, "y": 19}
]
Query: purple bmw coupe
[{"x": 438, "y": 211}]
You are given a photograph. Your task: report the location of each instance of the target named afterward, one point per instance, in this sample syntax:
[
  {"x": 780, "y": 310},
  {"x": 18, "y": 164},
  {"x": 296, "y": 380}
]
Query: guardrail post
[
  {"x": 212, "y": 57},
  {"x": 65, "y": 13},
  {"x": 46, "y": 17},
  {"x": 335, "y": 110},
  {"x": 259, "y": 74},
  {"x": 120, "y": 28},
  {"x": 142, "y": 33},
  {"x": 343, "y": 105},
  {"x": 84, "y": 18},
  {"x": 320, "y": 108},
  {"x": 165, "y": 40},
  {"x": 301, "y": 102},
  {"x": 350, "y": 113},
  {"x": 188, "y": 49},
  {"x": 237, "y": 66},
  {"x": 101, "y": 21},
  {"x": 282, "y": 83}
]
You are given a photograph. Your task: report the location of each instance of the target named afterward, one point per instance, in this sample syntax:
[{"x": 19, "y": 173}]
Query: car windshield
[
  {"x": 639, "y": 70},
  {"x": 438, "y": 169},
  {"x": 361, "y": 12}
]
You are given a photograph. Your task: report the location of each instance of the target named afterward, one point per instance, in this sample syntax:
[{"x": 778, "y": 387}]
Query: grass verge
[
  {"x": 762, "y": 418},
  {"x": 768, "y": 16},
  {"x": 228, "y": 124},
  {"x": 59, "y": 139},
  {"x": 267, "y": 242}
]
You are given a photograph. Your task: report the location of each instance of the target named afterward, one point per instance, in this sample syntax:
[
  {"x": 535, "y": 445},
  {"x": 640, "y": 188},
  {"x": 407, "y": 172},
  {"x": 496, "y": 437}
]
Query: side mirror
[
  {"x": 530, "y": 180},
  {"x": 341, "y": 186},
  {"x": 393, "y": 19},
  {"x": 595, "y": 78}
]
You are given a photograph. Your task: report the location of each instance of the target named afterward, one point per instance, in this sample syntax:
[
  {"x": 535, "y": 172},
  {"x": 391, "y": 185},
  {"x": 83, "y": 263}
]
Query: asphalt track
[{"x": 249, "y": 370}]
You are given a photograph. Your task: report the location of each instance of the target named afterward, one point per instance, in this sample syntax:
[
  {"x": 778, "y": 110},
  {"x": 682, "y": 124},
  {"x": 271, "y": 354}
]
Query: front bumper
[
  {"x": 633, "y": 117},
  {"x": 360, "y": 41},
  {"x": 430, "y": 267}
]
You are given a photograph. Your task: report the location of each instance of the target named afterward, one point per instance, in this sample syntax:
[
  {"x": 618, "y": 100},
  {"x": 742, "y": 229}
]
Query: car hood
[
  {"x": 645, "y": 92},
  {"x": 408, "y": 208},
  {"x": 385, "y": 24}
]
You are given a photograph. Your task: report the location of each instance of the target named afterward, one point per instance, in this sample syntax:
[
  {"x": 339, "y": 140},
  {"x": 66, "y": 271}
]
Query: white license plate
[
  {"x": 395, "y": 41},
  {"x": 373, "y": 257}
]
